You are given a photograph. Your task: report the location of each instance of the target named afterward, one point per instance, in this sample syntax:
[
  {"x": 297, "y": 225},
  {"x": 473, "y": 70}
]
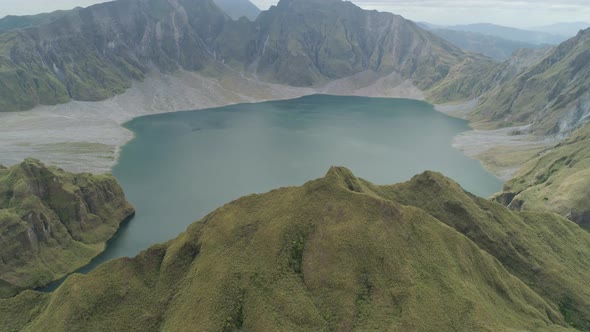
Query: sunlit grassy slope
[{"x": 337, "y": 254}]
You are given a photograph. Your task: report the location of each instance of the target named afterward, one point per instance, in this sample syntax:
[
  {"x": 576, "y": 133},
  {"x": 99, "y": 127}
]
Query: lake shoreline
[
  {"x": 501, "y": 151},
  {"x": 88, "y": 136}
]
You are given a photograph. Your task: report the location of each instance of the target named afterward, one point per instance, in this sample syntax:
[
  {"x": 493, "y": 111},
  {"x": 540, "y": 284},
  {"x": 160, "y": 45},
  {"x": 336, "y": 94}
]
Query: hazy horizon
[{"x": 520, "y": 14}]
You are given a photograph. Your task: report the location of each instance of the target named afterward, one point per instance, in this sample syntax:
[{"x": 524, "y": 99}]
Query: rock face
[
  {"x": 53, "y": 222},
  {"x": 94, "y": 53},
  {"x": 553, "y": 95},
  {"x": 558, "y": 180},
  {"x": 338, "y": 253},
  {"x": 303, "y": 42}
]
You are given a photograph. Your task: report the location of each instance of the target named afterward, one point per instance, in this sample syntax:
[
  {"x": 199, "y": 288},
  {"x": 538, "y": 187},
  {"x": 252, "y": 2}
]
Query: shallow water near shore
[{"x": 181, "y": 166}]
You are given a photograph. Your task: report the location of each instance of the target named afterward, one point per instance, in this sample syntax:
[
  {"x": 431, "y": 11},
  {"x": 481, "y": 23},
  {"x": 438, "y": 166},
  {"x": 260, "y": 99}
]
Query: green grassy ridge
[
  {"x": 558, "y": 180},
  {"x": 544, "y": 250},
  {"x": 53, "y": 222},
  {"x": 549, "y": 95},
  {"x": 337, "y": 253}
]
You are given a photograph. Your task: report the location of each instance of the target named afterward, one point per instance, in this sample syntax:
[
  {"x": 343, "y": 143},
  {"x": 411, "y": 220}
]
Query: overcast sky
[{"x": 518, "y": 13}]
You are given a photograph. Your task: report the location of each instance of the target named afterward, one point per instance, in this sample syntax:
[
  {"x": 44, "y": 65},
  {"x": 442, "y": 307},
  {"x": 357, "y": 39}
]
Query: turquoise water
[{"x": 181, "y": 166}]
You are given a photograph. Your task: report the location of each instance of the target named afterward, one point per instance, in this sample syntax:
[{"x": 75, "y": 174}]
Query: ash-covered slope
[{"x": 337, "y": 254}]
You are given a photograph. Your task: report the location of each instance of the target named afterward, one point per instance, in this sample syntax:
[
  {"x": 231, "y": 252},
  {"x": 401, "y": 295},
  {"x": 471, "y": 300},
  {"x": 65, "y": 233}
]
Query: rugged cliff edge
[
  {"x": 338, "y": 253},
  {"x": 53, "y": 222}
]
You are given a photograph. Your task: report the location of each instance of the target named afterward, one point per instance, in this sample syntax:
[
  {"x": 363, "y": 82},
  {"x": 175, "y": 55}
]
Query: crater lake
[{"x": 181, "y": 166}]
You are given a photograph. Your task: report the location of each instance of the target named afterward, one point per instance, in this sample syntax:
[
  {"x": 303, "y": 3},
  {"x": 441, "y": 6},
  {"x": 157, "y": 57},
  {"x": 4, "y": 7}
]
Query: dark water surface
[{"x": 181, "y": 166}]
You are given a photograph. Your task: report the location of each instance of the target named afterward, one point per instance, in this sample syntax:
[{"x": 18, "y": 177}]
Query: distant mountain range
[
  {"x": 94, "y": 53},
  {"x": 568, "y": 29},
  {"x": 508, "y": 33},
  {"x": 547, "y": 88},
  {"x": 495, "y": 47}
]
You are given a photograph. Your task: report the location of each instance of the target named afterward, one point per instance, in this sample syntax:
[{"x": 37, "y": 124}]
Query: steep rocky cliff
[
  {"x": 53, "y": 222},
  {"x": 303, "y": 42},
  {"x": 97, "y": 52},
  {"x": 94, "y": 53}
]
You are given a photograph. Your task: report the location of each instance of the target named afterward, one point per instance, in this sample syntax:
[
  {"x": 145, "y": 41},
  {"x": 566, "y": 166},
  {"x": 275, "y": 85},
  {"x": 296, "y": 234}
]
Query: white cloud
[{"x": 519, "y": 13}]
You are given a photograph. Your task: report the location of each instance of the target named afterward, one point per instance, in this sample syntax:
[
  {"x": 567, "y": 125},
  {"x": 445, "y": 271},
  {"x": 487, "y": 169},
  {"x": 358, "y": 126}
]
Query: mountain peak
[{"x": 343, "y": 177}]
